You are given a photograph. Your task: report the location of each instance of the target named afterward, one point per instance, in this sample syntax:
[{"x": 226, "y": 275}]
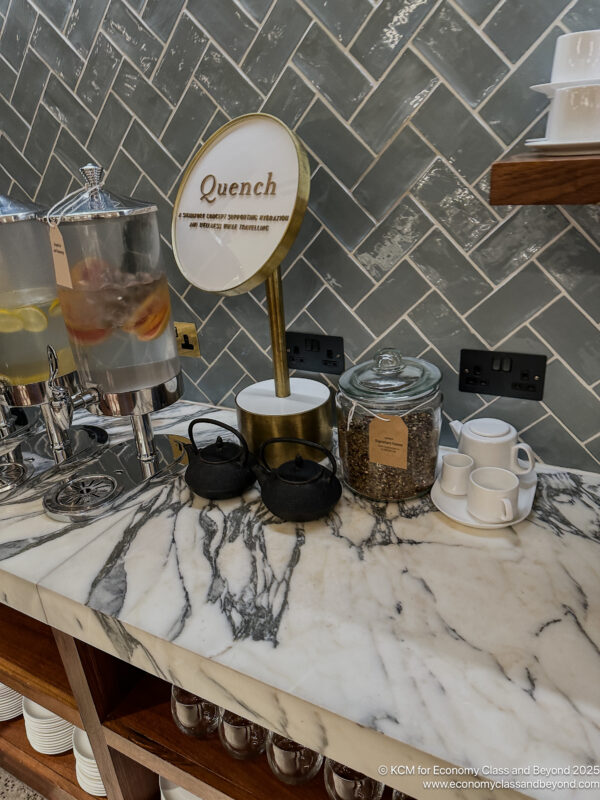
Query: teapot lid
[
  {"x": 300, "y": 470},
  {"x": 390, "y": 376},
  {"x": 489, "y": 428},
  {"x": 95, "y": 202},
  {"x": 12, "y": 210},
  {"x": 220, "y": 452}
]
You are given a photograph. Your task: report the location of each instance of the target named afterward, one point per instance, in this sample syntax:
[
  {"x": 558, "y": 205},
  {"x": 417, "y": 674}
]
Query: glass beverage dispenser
[
  {"x": 115, "y": 301},
  {"x": 114, "y": 296},
  {"x": 30, "y": 314},
  {"x": 30, "y": 321}
]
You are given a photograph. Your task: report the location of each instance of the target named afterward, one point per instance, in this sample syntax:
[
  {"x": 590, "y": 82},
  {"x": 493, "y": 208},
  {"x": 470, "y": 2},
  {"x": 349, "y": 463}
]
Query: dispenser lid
[
  {"x": 95, "y": 202},
  {"x": 390, "y": 376},
  {"x": 12, "y": 210}
]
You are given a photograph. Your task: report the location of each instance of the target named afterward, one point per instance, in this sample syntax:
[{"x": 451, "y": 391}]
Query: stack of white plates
[
  {"x": 10, "y": 703},
  {"x": 47, "y": 732},
  {"x": 170, "y": 791},
  {"x": 86, "y": 768}
]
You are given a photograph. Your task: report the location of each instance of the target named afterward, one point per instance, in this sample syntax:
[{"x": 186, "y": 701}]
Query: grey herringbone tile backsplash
[{"x": 402, "y": 106}]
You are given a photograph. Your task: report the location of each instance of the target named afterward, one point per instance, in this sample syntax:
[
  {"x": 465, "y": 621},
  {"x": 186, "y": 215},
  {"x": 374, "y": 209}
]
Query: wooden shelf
[
  {"x": 30, "y": 664},
  {"x": 143, "y": 729},
  {"x": 52, "y": 776},
  {"x": 539, "y": 179}
]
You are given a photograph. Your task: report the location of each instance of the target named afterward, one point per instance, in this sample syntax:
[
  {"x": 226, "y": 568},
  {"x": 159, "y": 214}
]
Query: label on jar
[
  {"x": 388, "y": 441},
  {"x": 59, "y": 256}
]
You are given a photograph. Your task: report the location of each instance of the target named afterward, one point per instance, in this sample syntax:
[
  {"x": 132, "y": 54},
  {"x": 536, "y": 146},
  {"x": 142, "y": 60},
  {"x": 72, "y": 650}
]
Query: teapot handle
[
  {"x": 315, "y": 445},
  {"x": 199, "y": 420}
]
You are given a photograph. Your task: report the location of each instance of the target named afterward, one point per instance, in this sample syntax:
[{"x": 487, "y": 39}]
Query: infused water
[
  {"x": 120, "y": 328},
  {"x": 29, "y": 321}
]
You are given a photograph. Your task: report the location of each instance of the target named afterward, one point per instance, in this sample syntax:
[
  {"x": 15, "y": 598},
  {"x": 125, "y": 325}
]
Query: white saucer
[
  {"x": 455, "y": 506},
  {"x": 553, "y": 147},
  {"x": 550, "y": 88}
]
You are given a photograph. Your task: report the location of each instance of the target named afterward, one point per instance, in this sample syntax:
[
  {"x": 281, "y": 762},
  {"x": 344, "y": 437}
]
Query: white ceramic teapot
[{"x": 493, "y": 443}]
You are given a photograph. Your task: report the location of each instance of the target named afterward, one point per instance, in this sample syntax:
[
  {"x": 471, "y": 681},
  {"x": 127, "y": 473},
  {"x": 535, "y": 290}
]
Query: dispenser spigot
[{"x": 61, "y": 402}]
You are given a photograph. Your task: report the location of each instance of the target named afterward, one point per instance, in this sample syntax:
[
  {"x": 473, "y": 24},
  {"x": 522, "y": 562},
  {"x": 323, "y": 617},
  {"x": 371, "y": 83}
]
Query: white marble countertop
[{"x": 383, "y": 635}]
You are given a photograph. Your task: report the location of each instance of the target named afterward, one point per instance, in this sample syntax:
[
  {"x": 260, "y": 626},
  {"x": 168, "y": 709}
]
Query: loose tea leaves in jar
[
  {"x": 381, "y": 481},
  {"x": 396, "y": 463}
]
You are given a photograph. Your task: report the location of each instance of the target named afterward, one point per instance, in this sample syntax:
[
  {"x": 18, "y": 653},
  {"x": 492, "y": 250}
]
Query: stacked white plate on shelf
[
  {"x": 170, "y": 791},
  {"x": 11, "y": 703},
  {"x": 86, "y": 768},
  {"x": 47, "y": 732},
  {"x": 574, "y": 90}
]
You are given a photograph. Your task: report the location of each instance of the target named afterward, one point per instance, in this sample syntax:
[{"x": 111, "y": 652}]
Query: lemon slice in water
[
  {"x": 55, "y": 310},
  {"x": 10, "y": 322},
  {"x": 34, "y": 320}
]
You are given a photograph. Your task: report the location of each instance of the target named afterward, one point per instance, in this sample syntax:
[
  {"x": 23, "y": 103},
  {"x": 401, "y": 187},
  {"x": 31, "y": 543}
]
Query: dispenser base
[
  {"x": 27, "y": 465},
  {"x": 23, "y": 423},
  {"x": 110, "y": 480},
  {"x": 304, "y": 414},
  {"x": 12, "y": 475}
]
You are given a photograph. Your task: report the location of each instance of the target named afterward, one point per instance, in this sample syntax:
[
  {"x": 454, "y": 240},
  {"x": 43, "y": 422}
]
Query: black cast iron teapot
[
  {"x": 222, "y": 469},
  {"x": 300, "y": 490}
]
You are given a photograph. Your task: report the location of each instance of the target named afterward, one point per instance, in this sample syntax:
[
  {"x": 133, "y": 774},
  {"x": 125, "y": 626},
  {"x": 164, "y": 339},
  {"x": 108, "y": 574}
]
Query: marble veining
[{"x": 382, "y": 634}]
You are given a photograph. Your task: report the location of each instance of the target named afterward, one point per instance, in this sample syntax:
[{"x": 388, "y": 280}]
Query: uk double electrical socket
[
  {"x": 506, "y": 374},
  {"x": 314, "y": 352}
]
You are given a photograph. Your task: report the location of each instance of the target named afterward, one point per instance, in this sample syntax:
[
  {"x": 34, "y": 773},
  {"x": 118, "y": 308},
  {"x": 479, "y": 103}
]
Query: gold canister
[{"x": 305, "y": 414}]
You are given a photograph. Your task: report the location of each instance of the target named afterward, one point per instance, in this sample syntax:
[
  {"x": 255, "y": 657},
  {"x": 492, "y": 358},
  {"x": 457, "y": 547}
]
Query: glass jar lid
[
  {"x": 12, "y": 210},
  {"x": 390, "y": 376},
  {"x": 94, "y": 202}
]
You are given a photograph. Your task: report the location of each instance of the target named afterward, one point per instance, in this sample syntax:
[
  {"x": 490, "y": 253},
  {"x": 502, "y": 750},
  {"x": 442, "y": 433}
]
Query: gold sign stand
[
  {"x": 282, "y": 407},
  {"x": 274, "y": 288}
]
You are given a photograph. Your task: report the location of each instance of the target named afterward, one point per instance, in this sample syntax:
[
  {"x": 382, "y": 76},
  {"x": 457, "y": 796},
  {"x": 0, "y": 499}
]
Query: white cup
[
  {"x": 577, "y": 57},
  {"x": 493, "y": 494},
  {"x": 575, "y": 115},
  {"x": 456, "y": 468}
]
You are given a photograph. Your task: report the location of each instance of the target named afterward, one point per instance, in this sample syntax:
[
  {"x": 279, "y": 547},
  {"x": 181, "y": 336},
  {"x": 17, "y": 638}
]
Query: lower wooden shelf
[
  {"x": 52, "y": 776},
  {"x": 142, "y": 728},
  {"x": 30, "y": 664},
  {"x": 536, "y": 179}
]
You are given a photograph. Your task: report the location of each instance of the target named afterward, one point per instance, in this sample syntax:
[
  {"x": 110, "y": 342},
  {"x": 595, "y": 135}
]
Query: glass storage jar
[{"x": 389, "y": 420}]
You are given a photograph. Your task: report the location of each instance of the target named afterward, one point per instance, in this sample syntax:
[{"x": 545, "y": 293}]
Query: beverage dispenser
[
  {"x": 30, "y": 322},
  {"x": 114, "y": 296}
]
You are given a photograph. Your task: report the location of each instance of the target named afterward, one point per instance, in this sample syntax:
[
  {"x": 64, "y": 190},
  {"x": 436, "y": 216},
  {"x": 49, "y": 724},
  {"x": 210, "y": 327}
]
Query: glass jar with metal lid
[
  {"x": 389, "y": 421},
  {"x": 113, "y": 291},
  {"x": 30, "y": 315}
]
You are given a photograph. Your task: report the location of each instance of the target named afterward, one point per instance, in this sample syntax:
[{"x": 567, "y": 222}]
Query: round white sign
[{"x": 240, "y": 205}]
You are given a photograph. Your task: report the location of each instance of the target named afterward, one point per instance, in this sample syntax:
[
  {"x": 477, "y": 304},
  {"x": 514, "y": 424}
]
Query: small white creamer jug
[{"x": 493, "y": 443}]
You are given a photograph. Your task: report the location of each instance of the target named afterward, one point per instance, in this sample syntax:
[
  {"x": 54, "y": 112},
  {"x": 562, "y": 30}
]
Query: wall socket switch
[
  {"x": 187, "y": 339},
  {"x": 506, "y": 374},
  {"x": 314, "y": 352}
]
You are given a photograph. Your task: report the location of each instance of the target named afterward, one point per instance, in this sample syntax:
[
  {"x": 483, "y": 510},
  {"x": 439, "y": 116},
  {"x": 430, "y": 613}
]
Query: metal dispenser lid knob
[{"x": 92, "y": 175}]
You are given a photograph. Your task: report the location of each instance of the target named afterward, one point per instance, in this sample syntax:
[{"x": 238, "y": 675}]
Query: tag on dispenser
[
  {"x": 59, "y": 256},
  {"x": 388, "y": 441}
]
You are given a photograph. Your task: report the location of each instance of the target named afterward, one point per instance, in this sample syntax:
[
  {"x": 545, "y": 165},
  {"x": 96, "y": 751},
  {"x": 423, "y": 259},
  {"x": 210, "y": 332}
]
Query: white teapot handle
[{"x": 516, "y": 465}]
